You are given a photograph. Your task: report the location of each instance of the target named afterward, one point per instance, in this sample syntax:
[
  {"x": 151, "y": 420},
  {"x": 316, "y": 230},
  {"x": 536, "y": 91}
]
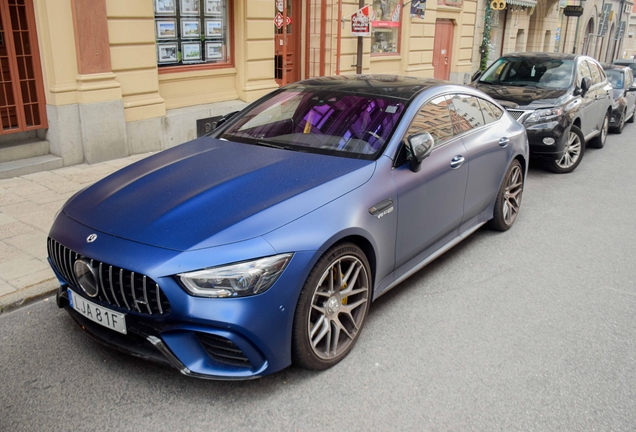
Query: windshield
[
  {"x": 615, "y": 78},
  {"x": 319, "y": 121},
  {"x": 533, "y": 72}
]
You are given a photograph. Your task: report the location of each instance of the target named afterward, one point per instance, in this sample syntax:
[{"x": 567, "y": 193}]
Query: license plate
[{"x": 96, "y": 313}]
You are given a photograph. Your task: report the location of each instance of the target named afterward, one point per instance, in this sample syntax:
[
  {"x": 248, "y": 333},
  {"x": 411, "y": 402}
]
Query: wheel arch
[{"x": 360, "y": 240}]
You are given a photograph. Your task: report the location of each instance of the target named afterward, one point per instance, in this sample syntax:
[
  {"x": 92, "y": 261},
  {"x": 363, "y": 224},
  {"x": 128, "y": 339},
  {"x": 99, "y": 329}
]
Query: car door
[
  {"x": 487, "y": 148},
  {"x": 602, "y": 98},
  {"x": 430, "y": 201},
  {"x": 630, "y": 94},
  {"x": 586, "y": 109}
]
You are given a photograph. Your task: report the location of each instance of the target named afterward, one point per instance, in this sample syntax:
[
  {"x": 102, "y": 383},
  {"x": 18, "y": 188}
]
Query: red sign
[
  {"x": 278, "y": 20},
  {"x": 361, "y": 22}
]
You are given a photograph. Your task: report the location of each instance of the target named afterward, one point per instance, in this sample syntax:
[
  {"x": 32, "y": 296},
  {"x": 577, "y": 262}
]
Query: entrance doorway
[
  {"x": 287, "y": 28},
  {"x": 442, "y": 48},
  {"x": 22, "y": 106}
]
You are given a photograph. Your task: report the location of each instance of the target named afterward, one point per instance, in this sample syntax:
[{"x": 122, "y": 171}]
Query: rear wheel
[
  {"x": 599, "y": 140},
  {"x": 332, "y": 308},
  {"x": 572, "y": 153},
  {"x": 508, "y": 198}
]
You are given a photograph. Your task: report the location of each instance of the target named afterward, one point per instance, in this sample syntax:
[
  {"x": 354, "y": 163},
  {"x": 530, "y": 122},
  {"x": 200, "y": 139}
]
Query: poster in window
[
  {"x": 190, "y": 52},
  {"x": 213, "y": 7},
  {"x": 165, "y": 7},
  {"x": 189, "y": 7},
  {"x": 190, "y": 29},
  {"x": 213, "y": 28},
  {"x": 418, "y": 9},
  {"x": 167, "y": 53},
  {"x": 213, "y": 51},
  {"x": 166, "y": 29}
]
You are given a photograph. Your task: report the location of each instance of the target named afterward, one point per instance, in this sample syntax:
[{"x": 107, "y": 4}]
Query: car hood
[
  {"x": 524, "y": 97},
  {"x": 210, "y": 192}
]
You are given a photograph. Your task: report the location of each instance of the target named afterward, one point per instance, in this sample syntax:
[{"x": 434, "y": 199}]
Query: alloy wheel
[
  {"x": 572, "y": 150},
  {"x": 338, "y": 307},
  {"x": 512, "y": 195}
]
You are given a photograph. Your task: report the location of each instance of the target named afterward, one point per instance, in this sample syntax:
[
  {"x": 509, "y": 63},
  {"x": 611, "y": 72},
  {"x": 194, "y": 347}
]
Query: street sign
[
  {"x": 575, "y": 11},
  {"x": 361, "y": 22}
]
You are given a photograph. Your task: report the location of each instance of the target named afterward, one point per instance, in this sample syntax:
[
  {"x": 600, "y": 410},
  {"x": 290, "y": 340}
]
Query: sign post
[{"x": 361, "y": 27}]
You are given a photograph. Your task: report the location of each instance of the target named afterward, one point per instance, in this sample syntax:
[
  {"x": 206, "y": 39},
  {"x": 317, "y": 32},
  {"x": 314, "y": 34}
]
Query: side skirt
[{"x": 428, "y": 259}]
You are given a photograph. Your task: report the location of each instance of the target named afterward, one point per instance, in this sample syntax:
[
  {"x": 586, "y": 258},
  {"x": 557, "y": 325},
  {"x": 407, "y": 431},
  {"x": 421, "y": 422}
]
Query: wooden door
[
  {"x": 442, "y": 48},
  {"x": 21, "y": 88},
  {"x": 287, "y": 41}
]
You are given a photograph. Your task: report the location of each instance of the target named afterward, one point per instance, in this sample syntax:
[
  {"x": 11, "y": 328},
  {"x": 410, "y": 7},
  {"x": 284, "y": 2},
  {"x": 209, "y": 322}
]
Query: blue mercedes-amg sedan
[{"x": 264, "y": 243}]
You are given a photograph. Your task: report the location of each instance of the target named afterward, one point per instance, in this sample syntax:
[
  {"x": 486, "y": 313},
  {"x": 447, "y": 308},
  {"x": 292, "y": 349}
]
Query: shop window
[
  {"x": 385, "y": 30},
  {"x": 193, "y": 32}
]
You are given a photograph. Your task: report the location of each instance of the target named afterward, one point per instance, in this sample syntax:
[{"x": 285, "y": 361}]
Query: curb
[{"x": 25, "y": 296}]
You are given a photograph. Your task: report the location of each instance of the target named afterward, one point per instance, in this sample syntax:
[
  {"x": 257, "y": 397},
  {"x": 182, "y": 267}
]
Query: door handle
[
  {"x": 457, "y": 161},
  {"x": 504, "y": 141}
]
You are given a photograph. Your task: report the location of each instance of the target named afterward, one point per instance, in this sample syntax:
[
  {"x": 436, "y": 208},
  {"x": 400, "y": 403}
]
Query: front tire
[
  {"x": 572, "y": 153},
  {"x": 332, "y": 308},
  {"x": 508, "y": 198},
  {"x": 599, "y": 140}
]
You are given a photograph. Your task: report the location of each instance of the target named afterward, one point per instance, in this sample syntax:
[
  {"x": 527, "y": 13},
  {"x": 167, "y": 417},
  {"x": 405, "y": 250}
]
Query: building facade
[
  {"x": 591, "y": 27},
  {"x": 92, "y": 80}
]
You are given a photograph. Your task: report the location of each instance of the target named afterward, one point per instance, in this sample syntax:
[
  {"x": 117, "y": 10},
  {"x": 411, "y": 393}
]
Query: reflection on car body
[{"x": 263, "y": 244}]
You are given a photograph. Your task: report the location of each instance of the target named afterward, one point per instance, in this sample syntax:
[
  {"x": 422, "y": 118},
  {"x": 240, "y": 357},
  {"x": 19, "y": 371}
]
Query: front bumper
[
  {"x": 615, "y": 118},
  {"x": 231, "y": 338},
  {"x": 557, "y": 130}
]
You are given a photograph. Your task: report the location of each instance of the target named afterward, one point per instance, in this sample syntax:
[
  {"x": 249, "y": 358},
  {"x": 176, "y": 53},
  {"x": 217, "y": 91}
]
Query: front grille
[
  {"x": 516, "y": 114},
  {"x": 223, "y": 350},
  {"x": 116, "y": 286}
]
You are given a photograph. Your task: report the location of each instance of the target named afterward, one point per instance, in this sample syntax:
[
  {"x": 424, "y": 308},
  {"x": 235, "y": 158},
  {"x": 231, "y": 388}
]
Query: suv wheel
[
  {"x": 599, "y": 141},
  {"x": 572, "y": 154}
]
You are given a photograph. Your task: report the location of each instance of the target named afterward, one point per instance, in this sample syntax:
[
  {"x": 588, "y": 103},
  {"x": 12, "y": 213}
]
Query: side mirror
[
  {"x": 421, "y": 146},
  {"x": 476, "y": 76},
  {"x": 586, "y": 83},
  {"x": 632, "y": 88}
]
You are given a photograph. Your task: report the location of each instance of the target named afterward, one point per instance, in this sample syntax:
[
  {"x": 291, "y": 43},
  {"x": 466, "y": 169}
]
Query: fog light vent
[{"x": 548, "y": 141}]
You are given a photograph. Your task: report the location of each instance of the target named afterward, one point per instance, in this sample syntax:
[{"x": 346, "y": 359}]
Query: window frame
[
  {"x": 178, "y": 68},
  {"x": 399, "y": 26}
]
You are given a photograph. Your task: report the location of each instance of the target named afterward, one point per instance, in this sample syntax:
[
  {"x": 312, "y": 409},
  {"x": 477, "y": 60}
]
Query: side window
[
  {"x": 629, "y": 78},
  {"x": 584, "y": 72},
  {"x": 596, "y": 75},
  {"x": 435, "y": 119},
  {"x": 465, "y": 113},
  {"x": 491, "y": 112}
]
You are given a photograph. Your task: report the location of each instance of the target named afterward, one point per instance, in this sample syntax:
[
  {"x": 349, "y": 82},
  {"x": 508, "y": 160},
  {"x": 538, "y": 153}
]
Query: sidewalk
[{"x": 27, "y": 207}]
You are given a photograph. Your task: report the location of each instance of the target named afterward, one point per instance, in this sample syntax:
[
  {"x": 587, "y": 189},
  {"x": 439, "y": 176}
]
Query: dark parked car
[
  {"x": 624, "y": 94},
  {"x": 626, "y": 62},
  {"x": 563, "y": 100},
  {"x": 264, "y": 243}
]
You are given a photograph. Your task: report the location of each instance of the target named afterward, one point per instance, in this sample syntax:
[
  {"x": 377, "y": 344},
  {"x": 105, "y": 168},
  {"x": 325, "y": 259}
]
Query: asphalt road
[{"x": 532, "y": 329}]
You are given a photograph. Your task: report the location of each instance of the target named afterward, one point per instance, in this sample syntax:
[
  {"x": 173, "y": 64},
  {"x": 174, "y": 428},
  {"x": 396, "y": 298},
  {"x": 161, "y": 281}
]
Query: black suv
[{"x": 563, "y": 100}]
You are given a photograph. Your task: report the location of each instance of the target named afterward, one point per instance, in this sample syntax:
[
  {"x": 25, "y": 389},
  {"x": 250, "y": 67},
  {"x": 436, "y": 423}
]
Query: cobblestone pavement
[{"x": 28, "y": 205}]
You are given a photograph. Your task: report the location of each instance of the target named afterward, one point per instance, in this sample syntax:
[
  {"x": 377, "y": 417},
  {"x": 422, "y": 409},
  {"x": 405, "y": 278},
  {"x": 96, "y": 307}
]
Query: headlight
[
  {"x": 541, "y": 115},
  {"x": 236, "y": 280}
]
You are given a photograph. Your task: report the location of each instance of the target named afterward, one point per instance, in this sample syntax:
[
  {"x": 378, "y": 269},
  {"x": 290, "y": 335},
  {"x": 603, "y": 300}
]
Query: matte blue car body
[{"x": 285, "y": 202}]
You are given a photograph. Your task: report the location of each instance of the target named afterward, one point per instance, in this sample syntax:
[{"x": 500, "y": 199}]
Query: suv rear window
[{"x": 533, "y": 72}]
